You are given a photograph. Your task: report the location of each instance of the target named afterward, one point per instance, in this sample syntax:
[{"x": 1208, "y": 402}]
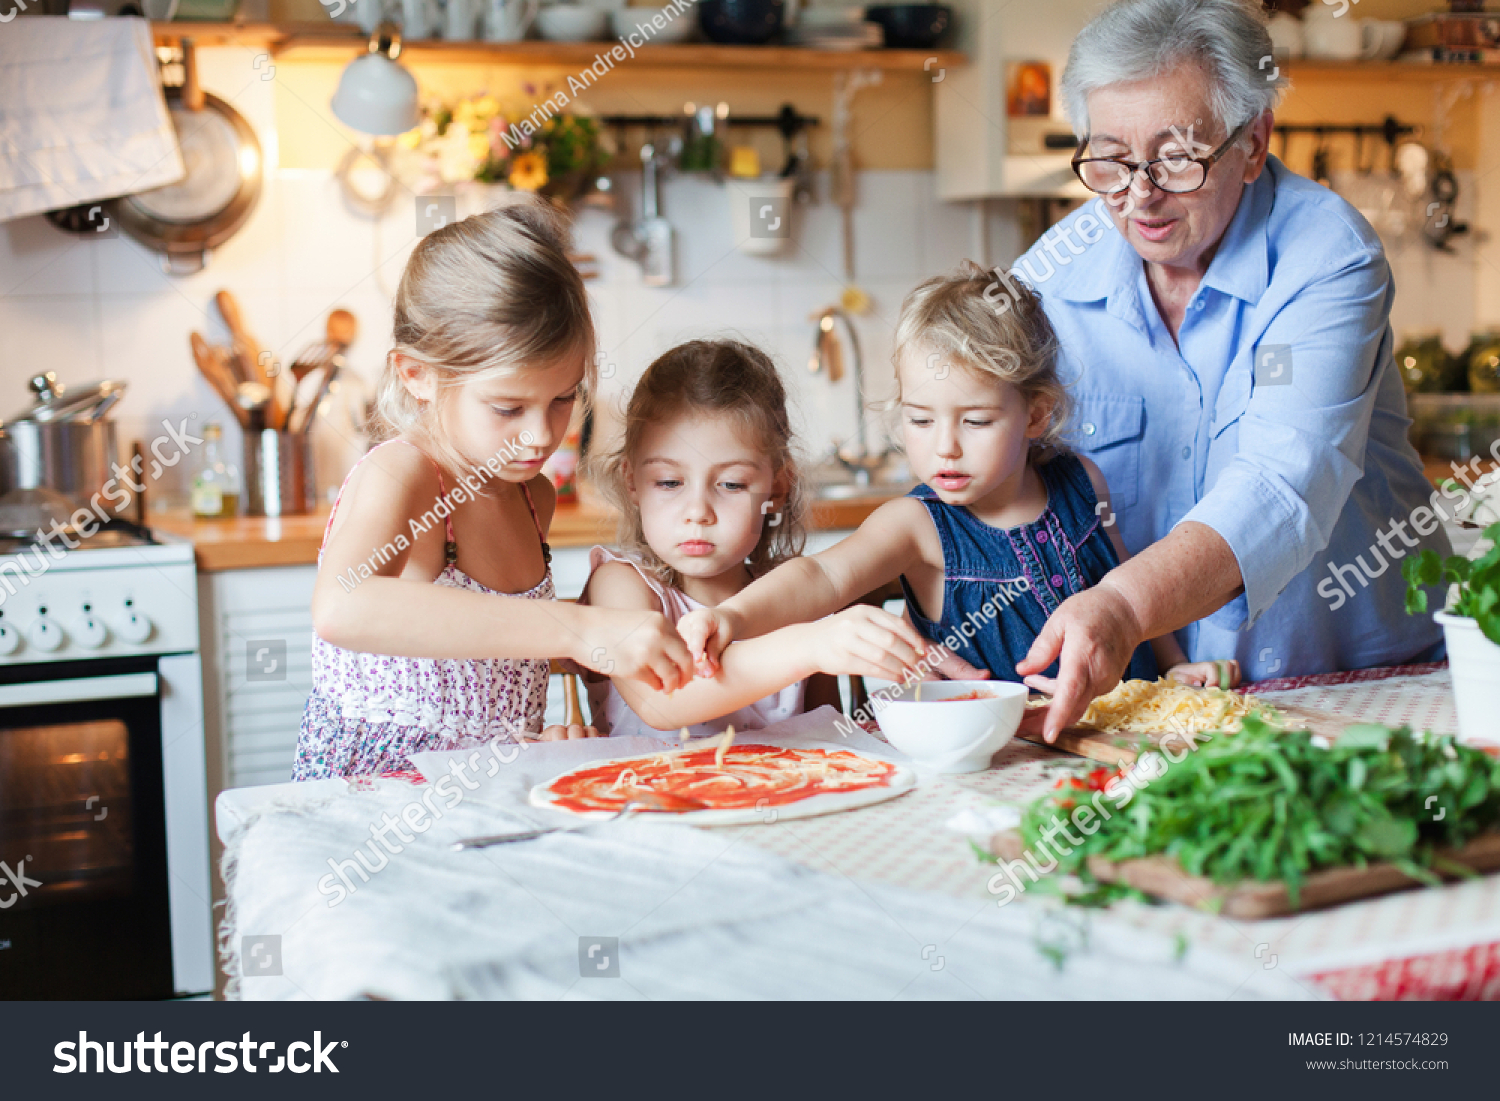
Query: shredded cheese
[
  {"x": 724, "y": 747},
  {"x": 1166, "y": 707}
]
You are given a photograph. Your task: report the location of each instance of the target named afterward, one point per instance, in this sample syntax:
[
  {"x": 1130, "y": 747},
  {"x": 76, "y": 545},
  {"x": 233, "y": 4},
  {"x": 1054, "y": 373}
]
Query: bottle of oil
[{"x": 216, "y": 489}]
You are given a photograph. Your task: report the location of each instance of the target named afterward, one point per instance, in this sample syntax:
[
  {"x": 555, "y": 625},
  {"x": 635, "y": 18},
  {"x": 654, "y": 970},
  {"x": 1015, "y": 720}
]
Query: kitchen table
[{"x": 849, "y": 903}]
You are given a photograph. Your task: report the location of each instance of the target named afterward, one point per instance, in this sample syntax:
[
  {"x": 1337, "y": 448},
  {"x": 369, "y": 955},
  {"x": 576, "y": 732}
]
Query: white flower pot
[{"x": 1474, "y": 662}]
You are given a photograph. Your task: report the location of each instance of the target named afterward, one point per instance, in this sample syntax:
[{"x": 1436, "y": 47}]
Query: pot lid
[{"x": 56, "y": 403}]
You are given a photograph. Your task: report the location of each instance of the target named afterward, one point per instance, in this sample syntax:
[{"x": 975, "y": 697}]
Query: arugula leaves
[
  {"x": 1478, "y": 583},
  {"x": 1267, "y": 803}
]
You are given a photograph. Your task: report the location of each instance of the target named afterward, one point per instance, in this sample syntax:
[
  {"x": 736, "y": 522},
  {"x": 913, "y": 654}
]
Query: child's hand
[
  {"x": 562, "y": 733},
  {"x": 636, "y": 644},
  {"x": 707, "y": 631},
  {"x": 943, "y": 663},
  {"x": 867, "y": 642},
  {"x": 1207, "y": 674}
]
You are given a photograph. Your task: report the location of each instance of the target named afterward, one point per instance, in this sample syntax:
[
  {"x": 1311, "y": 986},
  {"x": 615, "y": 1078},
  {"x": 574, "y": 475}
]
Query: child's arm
[
  {"x": 891, "y": 540},
  {"x": 861, "y": 640},
  {"x": 386, "y": 604},
  {"x": 1169, "y": 655}
]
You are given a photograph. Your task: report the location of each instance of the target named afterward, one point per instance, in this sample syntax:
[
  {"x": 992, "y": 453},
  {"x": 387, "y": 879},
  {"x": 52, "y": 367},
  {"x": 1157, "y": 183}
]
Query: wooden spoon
[
  {"x": 255, "y": 366},
  {"x": 211, "y": 366}
]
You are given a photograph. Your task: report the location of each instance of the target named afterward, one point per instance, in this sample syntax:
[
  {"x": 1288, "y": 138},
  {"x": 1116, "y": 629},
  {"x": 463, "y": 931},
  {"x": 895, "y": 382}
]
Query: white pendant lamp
[{"x": 375, "y": 94}]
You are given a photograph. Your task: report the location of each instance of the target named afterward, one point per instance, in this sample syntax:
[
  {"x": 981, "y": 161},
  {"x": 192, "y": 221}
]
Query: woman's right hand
[
  {"x": 636, "y": 644},
  {"x": 867, "y": 642},
  {"x": 706, "y": 631}
]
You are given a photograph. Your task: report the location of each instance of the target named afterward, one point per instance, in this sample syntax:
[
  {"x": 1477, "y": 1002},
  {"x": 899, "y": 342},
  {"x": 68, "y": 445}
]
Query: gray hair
[{"x": 1135, "y": 40}]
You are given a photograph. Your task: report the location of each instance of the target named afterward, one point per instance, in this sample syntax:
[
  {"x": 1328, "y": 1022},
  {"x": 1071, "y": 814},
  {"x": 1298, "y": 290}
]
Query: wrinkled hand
[
  {"x": 866, "y": 642},
  {"x": 640, "y": 645},
  {"x": 706, "y": 632},
  {"x": 562, "y": 733},
  {"x": 1207, "y": 674},
  {"x": 1093, "y": 633}
]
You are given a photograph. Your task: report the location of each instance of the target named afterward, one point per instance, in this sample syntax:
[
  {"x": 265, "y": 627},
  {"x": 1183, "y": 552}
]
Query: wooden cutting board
[
  {"x": 1123, "y": 747},
  {"x": 1251, "y": 900}
]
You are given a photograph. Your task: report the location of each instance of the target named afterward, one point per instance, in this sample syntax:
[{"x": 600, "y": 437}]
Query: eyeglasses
[{"x": 1177, "y": 174}]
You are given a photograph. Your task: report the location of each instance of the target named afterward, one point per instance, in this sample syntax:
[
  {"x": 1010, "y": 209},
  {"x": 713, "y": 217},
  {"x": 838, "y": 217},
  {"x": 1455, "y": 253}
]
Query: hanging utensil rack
[
  {"x": 1391, "y": 129},
  {"x": 788, "y": 116}
]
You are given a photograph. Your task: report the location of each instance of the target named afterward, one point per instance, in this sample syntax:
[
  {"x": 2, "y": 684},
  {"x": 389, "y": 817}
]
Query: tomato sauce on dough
[{"x": 752, "y": 776}]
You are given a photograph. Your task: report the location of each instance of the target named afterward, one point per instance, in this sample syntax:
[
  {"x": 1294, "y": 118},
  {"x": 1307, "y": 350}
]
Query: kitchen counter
[{"x": 251, "y": 542}]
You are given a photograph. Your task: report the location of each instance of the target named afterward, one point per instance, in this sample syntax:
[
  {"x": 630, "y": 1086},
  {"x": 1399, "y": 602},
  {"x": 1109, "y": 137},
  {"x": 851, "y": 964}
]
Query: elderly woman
[{"x": 1226, "y": 326}]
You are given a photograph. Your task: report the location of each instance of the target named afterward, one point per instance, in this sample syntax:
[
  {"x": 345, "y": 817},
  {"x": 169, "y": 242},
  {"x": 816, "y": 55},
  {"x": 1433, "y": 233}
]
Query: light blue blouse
[{"x": 1278, "y": 420}]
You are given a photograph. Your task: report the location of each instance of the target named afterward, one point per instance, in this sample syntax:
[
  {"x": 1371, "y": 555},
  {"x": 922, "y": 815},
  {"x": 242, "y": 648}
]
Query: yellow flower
[
  {"x": 479, "y": 146},
  {"x": 486, "y": 107},
  {"x": 465, "y": 115},
  {"x": 528, "y": 172}
]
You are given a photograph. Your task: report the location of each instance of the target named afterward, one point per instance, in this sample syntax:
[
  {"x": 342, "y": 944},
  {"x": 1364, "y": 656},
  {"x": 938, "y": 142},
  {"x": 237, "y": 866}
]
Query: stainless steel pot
[{"x": 64, "y": 443}]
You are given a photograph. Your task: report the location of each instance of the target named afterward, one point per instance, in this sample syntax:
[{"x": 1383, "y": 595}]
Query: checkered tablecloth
[
  {"x": 1441, "y": 942},
  {"x": 1427, "y": 943}
]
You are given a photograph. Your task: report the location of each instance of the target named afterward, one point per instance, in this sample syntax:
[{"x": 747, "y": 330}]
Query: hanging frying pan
[{"x": 184, "y": 220}]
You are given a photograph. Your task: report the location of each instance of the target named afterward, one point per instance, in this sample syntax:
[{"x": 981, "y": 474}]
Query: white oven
[{"x": 104, "y": 857}]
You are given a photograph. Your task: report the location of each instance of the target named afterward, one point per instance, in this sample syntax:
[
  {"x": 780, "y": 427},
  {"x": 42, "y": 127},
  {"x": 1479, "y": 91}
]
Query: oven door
[{"x": 84, "y": 904}]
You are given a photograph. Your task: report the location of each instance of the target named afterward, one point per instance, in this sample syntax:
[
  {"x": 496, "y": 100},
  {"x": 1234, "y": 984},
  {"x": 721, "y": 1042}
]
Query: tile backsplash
[{"x": 93, "y": 308}]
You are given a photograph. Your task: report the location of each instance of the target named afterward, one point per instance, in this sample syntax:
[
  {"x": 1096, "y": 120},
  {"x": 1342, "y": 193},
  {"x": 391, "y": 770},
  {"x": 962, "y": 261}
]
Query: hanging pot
[{"x": 184, "y": 220}]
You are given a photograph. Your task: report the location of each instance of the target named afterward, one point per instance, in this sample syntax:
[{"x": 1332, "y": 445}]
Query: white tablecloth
[{"x": 693, "y": 913}]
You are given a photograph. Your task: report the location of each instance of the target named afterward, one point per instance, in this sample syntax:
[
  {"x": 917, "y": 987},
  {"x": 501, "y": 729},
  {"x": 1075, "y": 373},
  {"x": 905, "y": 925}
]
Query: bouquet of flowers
[{"x": 475, "y": 140}]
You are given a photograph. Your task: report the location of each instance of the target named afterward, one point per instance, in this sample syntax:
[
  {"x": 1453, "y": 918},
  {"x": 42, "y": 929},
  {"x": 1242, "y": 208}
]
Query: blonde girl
[
  {"x": 1007, "y": 522},
  {"x": 434, "y": 614},
  {"x": 710, "y": 499}
]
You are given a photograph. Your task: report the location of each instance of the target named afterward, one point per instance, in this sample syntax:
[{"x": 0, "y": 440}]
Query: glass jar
[
  {"x": 1425, "y": 366},
  {"x": 1483, "y": 362}
]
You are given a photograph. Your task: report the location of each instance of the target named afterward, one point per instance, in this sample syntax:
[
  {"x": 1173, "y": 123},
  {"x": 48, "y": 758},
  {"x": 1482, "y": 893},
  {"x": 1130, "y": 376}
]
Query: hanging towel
[{"x": 82, "y": 116}]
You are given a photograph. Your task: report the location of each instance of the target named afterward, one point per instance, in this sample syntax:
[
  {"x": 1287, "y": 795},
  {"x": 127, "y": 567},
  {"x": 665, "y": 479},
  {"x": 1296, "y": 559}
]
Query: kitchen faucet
[{"x": 861, "y": 460}]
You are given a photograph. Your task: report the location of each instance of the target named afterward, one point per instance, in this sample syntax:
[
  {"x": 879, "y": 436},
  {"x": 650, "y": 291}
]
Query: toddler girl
[
  {"x": 433, "y": 614},
  {"x": 1006, "y": 525},
  {"x": 709, "y": 499}
]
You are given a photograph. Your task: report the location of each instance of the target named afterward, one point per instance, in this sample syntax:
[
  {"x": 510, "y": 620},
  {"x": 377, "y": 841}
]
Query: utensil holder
[{"x": 278, "y": 473}]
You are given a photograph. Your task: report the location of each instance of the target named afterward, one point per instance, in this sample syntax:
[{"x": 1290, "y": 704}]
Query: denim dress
[{"x": 1001, "y": 584}]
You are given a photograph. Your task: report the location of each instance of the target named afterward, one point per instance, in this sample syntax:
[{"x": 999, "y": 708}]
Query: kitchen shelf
[
  {"x": 315, "y": 41},
  {"x": 1409, "y": 72}
]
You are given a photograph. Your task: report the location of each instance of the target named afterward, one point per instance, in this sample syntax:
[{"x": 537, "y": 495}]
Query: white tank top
[{"x": 613, "y": 716}]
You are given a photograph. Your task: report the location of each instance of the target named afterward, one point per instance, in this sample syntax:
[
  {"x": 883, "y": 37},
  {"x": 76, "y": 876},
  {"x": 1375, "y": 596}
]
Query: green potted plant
[{"x": 1471, "y": 625}]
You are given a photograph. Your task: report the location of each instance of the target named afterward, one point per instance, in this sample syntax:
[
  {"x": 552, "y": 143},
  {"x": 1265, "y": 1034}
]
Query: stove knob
[
  {"x": 45, "y": 634},
  {"x": 135, "y": 627},
  {"x": 10, "y": 639},
  {"x": 90, "y": 633}
]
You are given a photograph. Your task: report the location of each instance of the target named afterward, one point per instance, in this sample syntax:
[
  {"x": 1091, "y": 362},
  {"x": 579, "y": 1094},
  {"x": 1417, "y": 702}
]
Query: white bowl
[
  {"x": 947, "y": 735},
  {"x": 571, "y": 23},
  {"x": 678, "y": 26}
]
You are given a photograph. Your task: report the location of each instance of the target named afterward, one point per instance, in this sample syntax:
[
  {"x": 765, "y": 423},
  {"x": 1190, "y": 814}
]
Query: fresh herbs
[
  {"x": 1268, "y": 804},
  {"x": 1478, "y": 583}
]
